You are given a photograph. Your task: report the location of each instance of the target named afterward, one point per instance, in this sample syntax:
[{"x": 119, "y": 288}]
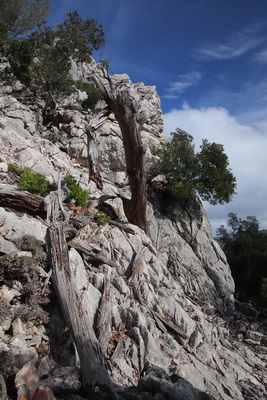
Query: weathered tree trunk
[
  {"x": 93, "y": 367},
  {"x": 21, "y": 200},
  {"x": 124, "y": 102},
  {"x": 92, "y": 361},
  {"x": 76, "y": 314}
]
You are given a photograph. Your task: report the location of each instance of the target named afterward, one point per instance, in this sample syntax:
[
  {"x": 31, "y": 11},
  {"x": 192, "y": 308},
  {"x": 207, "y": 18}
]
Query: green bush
[
  {"x": 93, "y": 95},
  {"x": 205, "y": 173},
  {"x": 245, "y": 246},
  {"x": 33, "y": 182},
  {"x": 14, "y": 168},
  {"x": 102, "y": 218},
  {"x": 21, "y": 55},
  {"x": 77, "y": 195},
  {"x": 36, "y": 247},
  {"x": 33, "y": 294}
]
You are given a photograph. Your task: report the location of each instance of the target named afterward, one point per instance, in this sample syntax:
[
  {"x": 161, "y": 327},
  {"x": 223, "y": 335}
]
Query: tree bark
[
  {"x": 92, "y": 362},
  {"x": 22, "y": 201},
  {"x": 124, "y": 102},
  {"x": 93, "y": 367}
]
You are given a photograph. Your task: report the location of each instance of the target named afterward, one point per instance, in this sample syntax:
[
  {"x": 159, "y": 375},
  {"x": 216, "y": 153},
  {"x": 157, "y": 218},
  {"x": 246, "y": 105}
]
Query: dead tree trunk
[
  {"x": 92, "y": 361},
  {"x": 21, "y": 200},
  {"x": 125, "y": 103}
]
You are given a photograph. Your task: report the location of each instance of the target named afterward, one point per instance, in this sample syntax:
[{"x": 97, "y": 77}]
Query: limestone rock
[
  {"x": 27, "y": 380},
  {"x": 18, "y": 227},
  {"x": 161, "y": 304},
  {"x": 7, "y": 247},
  {"x": 3, "y": 391}
]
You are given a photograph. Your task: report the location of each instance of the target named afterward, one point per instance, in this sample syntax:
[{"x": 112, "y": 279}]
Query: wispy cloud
[
  {"x": 185, "y": 81},
  {"x": 261, "y": 56},
  {"x": 239, "y": 44}
]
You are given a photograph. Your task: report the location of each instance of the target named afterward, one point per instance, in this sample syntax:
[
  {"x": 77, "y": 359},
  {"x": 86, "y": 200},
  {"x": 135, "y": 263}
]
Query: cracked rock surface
[{"x": 161, "y": 304}]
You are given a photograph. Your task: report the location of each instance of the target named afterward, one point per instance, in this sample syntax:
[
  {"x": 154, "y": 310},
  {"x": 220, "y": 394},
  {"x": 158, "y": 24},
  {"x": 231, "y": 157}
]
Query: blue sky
[{"x": 208, "y": 60}]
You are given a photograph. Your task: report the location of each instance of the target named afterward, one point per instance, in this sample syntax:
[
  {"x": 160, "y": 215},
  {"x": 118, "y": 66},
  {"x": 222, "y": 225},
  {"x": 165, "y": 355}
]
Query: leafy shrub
[
  {"x": 75, "y": 38},
  {"x": 51, "y": 136},
  {"x": 53, "y": 67},
  {"x": 33, "y": 182},
  {"x": 36, "y": 247},
  {"x": 77, "y": 195},
  {"x": 33, "y": 295},
  {"x": 93, "y": 95},
  {"x": 21, "y": 55},
  {"x": 14, "y": 168},
  {"x": 245, "y": 246},
  {"x": 188, "y": 173},
  {"x": 102, "y": 218}
]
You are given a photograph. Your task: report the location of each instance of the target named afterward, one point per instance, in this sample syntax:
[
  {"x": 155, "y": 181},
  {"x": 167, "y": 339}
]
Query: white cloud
[
  {"x": 185, "y": 81},
  {"x": 242, "y": 42},
  {"x": 245, "y": 147}
]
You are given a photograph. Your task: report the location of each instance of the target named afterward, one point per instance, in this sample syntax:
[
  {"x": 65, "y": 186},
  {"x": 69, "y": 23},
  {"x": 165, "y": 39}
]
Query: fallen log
[
  {"x": 79, "y": 320},
  {"x": 22, "y": 201}
]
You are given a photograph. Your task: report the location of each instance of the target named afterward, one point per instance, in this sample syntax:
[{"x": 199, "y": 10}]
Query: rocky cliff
[{"x": 161, "y": 304}]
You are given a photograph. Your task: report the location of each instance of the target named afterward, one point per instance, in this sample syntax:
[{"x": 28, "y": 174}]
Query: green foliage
[
  {"x": 14, "y": 168},
  {"x": 75, "y": 38},
  {"x": 53, "y": 67},
  {"x": 188, "y": 173},
  {"x": 77, "y": 195},
  {"x": 245, "y": 246},
  {"x": 33, "y": 294},
  {"x": 93, "y": 96},
  {"x": 102, "y": 218},
  {"x": 51, "y": 48},
  {"x": 218, "y": 182},
  {"x": 36, "y": 247},
  {"x": 21, "y": 55},
  {"x": 33, "y": 182},
  {"x": 18, "y": 18},
  {"x": 80, "y": 36},
  {"x": 179, "y": 164},
  {"x": 51, "y": 136}
]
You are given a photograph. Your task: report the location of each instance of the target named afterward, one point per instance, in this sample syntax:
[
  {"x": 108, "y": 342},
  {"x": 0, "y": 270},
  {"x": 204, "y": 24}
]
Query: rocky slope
[{"x": 161, "y": 304}]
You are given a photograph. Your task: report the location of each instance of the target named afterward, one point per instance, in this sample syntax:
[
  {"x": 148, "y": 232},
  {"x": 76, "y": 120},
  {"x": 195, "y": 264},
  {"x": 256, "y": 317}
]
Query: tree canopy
[
  {"x": 18, "y": 18},
  {"x": 74, "y": 39},
  {"x": 245, "y": 246},
  {"x": 43, "y": 52},
  {"x": 188, "y": 172}
]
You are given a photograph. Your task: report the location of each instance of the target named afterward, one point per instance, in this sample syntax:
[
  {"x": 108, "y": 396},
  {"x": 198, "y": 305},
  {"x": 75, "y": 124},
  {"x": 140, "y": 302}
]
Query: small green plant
[
  {"x": 36, "y": 247},
  {"x": 33, "y": 182},
  {"x": 51, "y": 136},
  {"x": 33, "y": 294},
  {"x": 102, "y": 218},
  {"x": 93, "y": 95},
  {"x": 14, "y": 168},
  {"x": 77, "y": 195}
]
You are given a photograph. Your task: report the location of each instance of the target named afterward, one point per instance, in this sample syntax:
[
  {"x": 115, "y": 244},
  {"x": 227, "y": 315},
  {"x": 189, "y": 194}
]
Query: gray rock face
[{"x": 161, "y": 303}]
